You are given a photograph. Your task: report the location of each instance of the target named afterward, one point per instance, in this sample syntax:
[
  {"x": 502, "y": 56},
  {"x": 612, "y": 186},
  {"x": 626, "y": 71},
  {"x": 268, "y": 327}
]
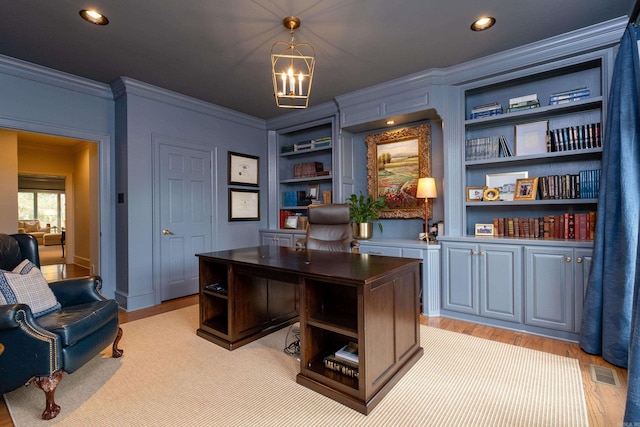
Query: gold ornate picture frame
[{"x": 395, "y": 161}]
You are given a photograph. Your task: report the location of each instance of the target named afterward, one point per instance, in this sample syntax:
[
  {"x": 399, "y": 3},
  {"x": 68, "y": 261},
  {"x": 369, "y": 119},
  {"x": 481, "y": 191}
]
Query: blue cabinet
[{"x": 483, "y": 279}]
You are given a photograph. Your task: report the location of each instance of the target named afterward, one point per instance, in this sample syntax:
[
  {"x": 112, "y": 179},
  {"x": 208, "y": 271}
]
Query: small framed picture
[
  {"x": 484, "y": 230},
  {"x": 531, "y": 138},
  {"x": 526, "y": 189},
  {"x": 291, "y": 221},
  {"x": 244, "y": 205},
  {"x": 475, "y": 194},
  {"x": 491, "y": 194},
  {"x": 243, "y": 169},
  {"x": 313, "y": 190}
]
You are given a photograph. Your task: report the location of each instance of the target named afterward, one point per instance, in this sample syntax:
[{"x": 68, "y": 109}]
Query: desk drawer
[{"x": 380, "y": 250}]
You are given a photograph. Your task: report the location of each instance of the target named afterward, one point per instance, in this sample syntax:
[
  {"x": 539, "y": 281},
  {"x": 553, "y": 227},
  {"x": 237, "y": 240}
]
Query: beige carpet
[{"x": 171, "y": 377}]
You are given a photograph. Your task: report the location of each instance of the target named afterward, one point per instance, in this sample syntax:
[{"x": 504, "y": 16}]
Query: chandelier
[{"x": 292, "y": 69}]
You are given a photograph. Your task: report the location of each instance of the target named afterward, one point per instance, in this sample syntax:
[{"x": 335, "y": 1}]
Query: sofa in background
[{"x": 33, "y": 227}]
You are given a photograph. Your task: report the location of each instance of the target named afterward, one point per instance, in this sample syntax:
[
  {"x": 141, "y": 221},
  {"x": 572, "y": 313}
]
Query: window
[{"x": 47, "y": 206}]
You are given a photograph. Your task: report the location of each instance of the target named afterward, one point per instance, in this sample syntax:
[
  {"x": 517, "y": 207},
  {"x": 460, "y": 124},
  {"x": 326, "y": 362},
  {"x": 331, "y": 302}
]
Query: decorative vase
[{"x": 362, "y": 230}]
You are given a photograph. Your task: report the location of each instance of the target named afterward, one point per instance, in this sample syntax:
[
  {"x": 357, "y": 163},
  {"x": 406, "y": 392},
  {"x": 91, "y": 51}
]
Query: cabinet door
[
  {"x": 459, "y": 277},
  {"x": 549, "y": 287},
  {"x": 582, "y": 267},
  {"x": 501, "y": 282},
  {"x": 277, "y": 239}
]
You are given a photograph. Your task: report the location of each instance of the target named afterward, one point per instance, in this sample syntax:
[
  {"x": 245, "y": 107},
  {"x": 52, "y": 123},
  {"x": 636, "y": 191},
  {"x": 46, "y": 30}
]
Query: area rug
[{"x": 169, "y": 376}]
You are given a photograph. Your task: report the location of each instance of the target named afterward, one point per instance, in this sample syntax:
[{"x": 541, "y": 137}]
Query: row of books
[
  {"x": 488, "y": 147},
  {"x": 526, "y": 102},
  {"x": 309, "y": 170},
  {"x": 307, "y": 145},
  {"x": 574, "y": 138},
  {"x": 568, "y": 226},
  {"x": 345, "y": 360},
  {"x": 583, "y": 185}
]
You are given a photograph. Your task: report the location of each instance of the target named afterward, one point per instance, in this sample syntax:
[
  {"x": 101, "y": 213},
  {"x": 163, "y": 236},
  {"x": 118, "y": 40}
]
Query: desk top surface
[{"x": 350, "y": 267}]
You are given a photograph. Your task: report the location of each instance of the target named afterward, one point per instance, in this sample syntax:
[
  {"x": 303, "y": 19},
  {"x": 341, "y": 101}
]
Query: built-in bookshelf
[
  {"x": 305, "y": 168},
  {"x": 545, "y": 127}
]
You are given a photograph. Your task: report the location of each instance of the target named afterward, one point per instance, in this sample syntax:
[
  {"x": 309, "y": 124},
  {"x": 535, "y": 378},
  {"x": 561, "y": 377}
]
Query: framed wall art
[
  {"x": 505, "y": 183},
  {"x": 243, "y": 169},
  {"x": 395, "y": 161},
  {"x": 244, "y": 205}
]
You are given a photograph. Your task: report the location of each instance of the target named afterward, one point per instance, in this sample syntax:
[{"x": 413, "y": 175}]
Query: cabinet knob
[
  {"x": 474, "y": 253},
  {"x": 579, "y": 260},
  {"x": 568, "y": 259},
  {"x": 481, "y": 253}
]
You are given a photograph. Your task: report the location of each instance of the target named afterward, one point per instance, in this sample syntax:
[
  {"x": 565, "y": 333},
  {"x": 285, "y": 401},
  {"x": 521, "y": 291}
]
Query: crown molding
[
  {"x": 595, "y": 37},
  {"x": 128, "y": 86},
  {"x": 38, "y": 73},
  {"x": 306, "y": 115}
]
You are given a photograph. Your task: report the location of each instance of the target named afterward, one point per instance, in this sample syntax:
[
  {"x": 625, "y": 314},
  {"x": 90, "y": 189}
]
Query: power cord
[{"x": 292, "y": 348}]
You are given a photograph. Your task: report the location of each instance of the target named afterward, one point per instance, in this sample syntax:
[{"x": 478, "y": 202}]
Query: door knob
[{"x": 167, "y": 232}]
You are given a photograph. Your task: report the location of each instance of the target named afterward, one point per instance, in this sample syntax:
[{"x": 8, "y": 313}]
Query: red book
[{"x": 572, "y": 226}]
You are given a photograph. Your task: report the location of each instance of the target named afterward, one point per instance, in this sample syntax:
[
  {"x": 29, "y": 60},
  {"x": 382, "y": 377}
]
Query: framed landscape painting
[{"x": 395, "y": 161}]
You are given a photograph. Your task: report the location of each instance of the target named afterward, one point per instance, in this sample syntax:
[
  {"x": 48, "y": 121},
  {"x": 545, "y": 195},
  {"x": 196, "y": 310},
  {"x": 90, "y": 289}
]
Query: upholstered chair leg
[
  {"x": 116, "y": 351},
  {"x": 48, "y": 385}
]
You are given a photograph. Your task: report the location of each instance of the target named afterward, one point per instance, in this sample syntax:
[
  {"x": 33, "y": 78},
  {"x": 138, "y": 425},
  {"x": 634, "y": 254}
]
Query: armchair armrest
[
  {"x": 79, "y": 290},
  {"x": 29, "y": 350}
]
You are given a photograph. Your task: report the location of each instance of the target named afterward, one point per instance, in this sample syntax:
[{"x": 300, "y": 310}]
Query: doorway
[{"x": 69, "y": 168}]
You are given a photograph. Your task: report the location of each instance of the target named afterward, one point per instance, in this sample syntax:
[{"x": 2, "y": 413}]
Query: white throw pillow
[{"x": 26, "y": 285}]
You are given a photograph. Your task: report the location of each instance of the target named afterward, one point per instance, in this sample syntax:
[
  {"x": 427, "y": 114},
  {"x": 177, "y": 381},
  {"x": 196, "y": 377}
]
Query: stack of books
[
  {"x": 321, "y": 142},
  {"x": 486, "y": 110},
  {"x": 575, "y": 137},
  {"x": 287, "y": 148},
  {"x": 344, "y": 360},
  {"x": 569, "y": 96},
  {"x": 488, "y": 147},
  {"x": 525, "y": 102}
]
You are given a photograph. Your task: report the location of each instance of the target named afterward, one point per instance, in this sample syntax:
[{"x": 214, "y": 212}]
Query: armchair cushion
[
  {"x": 76, "y": 322},
  {"x": 26, "y": 285}
]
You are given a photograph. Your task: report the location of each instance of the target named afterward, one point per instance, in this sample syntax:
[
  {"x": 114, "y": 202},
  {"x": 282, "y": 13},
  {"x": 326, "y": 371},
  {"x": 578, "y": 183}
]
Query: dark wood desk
[{"x": 367, "y": 299}]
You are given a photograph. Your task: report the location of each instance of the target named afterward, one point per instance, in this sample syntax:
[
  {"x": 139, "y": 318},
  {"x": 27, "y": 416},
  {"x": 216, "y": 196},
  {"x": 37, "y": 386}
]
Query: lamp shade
[{"x": 426, "y": 188}]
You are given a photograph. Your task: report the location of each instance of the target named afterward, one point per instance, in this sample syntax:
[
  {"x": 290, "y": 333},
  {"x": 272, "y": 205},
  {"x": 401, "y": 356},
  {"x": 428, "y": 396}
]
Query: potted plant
[{"x": 363, "y": 210}]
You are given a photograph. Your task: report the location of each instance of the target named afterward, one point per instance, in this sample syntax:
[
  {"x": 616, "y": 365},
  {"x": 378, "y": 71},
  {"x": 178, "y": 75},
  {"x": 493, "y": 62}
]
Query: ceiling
[{"x": 219, "y": 51}]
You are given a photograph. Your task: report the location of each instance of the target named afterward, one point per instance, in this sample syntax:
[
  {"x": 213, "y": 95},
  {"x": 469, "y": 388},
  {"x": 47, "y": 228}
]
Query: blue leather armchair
[{"x": 41, "y": 349}]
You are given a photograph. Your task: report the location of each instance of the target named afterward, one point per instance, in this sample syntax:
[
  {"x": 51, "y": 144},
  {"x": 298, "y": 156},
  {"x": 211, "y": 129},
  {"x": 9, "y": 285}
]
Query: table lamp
[{"x": 426, "y": 190}]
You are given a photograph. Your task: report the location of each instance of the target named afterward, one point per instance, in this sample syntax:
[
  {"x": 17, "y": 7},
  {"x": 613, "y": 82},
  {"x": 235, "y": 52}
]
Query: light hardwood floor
[{"x": 605, "y": 404}]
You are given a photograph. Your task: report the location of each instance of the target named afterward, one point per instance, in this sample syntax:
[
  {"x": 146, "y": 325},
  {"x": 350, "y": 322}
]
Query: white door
[{"x": 185, "y": 217}]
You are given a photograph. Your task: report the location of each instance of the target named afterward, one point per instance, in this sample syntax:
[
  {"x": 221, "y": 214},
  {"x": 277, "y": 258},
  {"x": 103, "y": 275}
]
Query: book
[
  {"x": 339, "y": 365},
  {"x": 523, "y": 99},
  {"x": 349, "y": 352}
]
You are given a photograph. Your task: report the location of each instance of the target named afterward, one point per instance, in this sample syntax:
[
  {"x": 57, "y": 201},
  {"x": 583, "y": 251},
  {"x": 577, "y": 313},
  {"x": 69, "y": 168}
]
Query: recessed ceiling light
[
  {"x": 94, "y": 17},
  {"x": 391, "y": 122},
  {"x": 483, "y": 23}
]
